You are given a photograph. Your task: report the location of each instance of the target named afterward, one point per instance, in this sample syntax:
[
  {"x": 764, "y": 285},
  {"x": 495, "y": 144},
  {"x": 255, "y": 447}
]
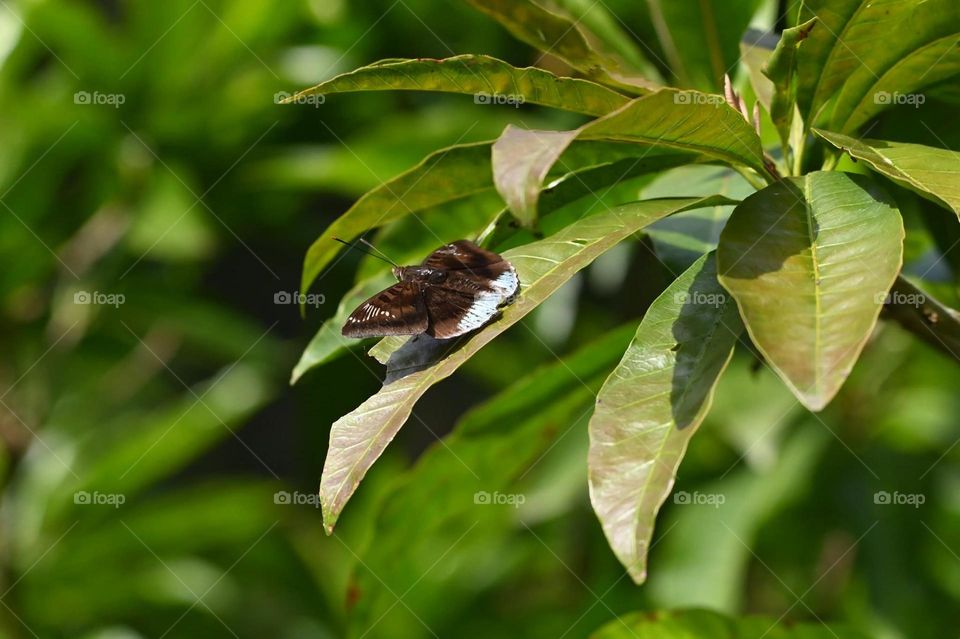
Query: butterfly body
[{"x": 457, "y": 289}]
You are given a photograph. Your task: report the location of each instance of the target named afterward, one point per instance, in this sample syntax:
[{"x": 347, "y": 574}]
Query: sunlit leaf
[
  {"x": 491, "y": 449},
  {"x": 489, "y": 80},
  {"x": 652, "y": 403},
  {"x": 846, "y": 73},
  {"x": 666, "y": 121},
  {"x": 809, "y": 261},
  {"x": 358, "y": 439},
  {"x": 931, "y": 172},
  {"x": 603, "y": 59}
]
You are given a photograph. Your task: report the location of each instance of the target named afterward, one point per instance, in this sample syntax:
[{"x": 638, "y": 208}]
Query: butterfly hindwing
[{"x": 397, "y": 310}]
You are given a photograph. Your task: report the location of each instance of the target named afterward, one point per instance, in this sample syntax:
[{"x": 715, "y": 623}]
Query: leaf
[
  {"x": 559, "y": 34},
  {"x": 681, "y": 239},
  {"x": 844, "y": 67},
  {"x": 328, "y": 340},
  {"x": 701, "y": 38},
  {"x": 490, "y": 450},
  {"x": 781, "y": 69},
  {"x": 444, "y": 176},
  {"x": 652, "y": 403},
  {"x": 482, "y": 76},
  {"x": 809, "y": 260},
  {"x": 931, "y": 172},
  {"x": 706, "y": 624},
  {"x": 358, "y": 439},
  {"x": 669, "y": 120}
]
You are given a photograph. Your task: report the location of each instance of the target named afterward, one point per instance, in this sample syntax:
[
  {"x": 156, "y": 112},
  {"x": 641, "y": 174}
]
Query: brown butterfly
[{"x": 457, "y": 289}]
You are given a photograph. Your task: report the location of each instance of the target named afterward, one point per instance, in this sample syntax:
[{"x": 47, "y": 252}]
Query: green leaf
[
  {"x": 844, "y": 67},
  {"x": 931, "y": 172},
  {"x": 491, "y": 449},
  {"x": 479, "y": 75},
  {"x": 706, "y": 624},
  {"x": 666, "y": 121},
  {"x": 652, "y": 403},
  {"x": 328, "y": 340},
  {"x": 449, "y": 174},
  {"x": 358, "y": 439},
  {"x": 781, "y": 69},
  {"x": 700, "y": 39},
  {"x": 809, "y": 260},
  {"x": 602, "y": 59}
]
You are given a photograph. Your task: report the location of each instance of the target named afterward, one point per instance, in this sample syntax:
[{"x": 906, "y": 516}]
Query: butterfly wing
[
  {"x": 478, "y": 283},
  {"x": 397, "y": 310}
]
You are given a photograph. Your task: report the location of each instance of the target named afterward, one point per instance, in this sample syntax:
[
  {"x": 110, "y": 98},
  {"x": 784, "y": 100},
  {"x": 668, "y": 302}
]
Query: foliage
[{"x": 161, "y": 180}]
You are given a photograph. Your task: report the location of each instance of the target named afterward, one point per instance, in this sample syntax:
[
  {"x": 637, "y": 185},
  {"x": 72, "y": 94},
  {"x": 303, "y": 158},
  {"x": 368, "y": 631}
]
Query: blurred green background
[{"x": 158, "y": 471}]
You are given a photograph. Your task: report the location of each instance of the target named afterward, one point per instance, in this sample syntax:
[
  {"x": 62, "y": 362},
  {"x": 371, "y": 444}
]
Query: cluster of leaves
[{"x": 800, "y": 273}]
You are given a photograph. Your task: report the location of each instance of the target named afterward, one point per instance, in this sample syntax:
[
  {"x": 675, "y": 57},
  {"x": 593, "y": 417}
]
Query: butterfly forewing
[
  {"x": 457, "y": 289},
  {"x": 397, "y": 310}
]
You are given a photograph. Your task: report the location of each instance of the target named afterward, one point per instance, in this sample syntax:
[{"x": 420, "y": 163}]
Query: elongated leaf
[
  {"x": 931, "y": 172},
  {"x": 482, "y": 76},
  {"x": 668, "y": 120},
  {"x": 845, "y": 66},
  {"x": 809, "y": 261},
  {"x": 491, "y": 449},
  {"x": 923, "y": 67},
  {"x": 652, "y": 403},
  {"x": 756, "y": 47},
  {"x": 706, "y": 624},
  {"x": 781, "y": 69},
  {"x": 558, "y": 33},
  {"x": 357, "y": 439}
]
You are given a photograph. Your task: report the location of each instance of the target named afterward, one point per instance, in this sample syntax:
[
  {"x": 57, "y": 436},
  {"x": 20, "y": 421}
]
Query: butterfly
[{"x": 457, "y": 289}]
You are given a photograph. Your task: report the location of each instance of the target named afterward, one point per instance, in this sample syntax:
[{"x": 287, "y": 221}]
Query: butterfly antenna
[{"x": 377, "y": 253}]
